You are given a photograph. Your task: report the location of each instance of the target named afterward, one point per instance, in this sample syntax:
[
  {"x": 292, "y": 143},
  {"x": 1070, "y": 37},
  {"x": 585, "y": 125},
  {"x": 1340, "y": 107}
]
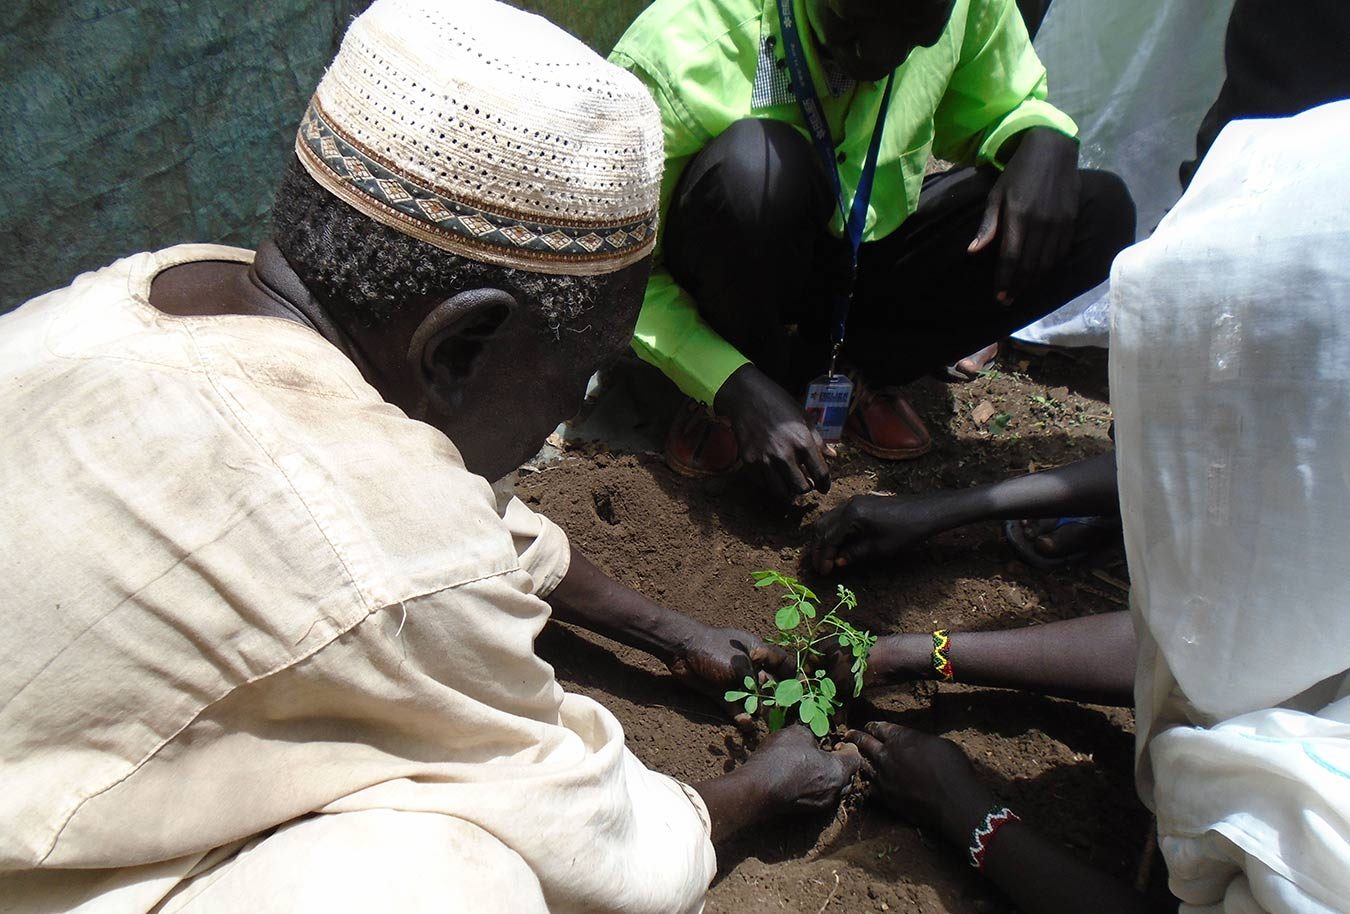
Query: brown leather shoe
[
  {"x": 700, "y": 444},
  {"x": 884, "y": 425}
]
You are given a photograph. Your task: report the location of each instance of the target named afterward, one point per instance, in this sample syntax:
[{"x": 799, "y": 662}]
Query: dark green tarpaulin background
[{"x": 129, "y": 125}]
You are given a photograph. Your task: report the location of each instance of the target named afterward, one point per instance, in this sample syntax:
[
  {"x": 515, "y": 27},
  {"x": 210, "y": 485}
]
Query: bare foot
[{"x": 973, "y": 365}]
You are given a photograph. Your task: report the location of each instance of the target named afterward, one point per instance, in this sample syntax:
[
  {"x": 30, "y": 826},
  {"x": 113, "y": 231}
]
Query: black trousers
[{"x": 747, "y": 235}]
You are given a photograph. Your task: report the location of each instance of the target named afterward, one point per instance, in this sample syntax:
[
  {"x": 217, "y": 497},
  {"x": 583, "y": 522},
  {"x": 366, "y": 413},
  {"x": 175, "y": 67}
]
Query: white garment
[
  {"x": 1138, "y": 79},
  {"x": 1230, "y": 380},
  {"x": 252, "y": 611}
]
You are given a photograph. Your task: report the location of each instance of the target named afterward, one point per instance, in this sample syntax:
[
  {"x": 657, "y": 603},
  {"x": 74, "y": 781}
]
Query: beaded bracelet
[
  {"x": 984, "y": 833},
  {"x": 942, "y": 664}
]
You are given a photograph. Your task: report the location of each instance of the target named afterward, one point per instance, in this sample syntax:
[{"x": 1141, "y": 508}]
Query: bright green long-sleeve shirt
[{"x": 710, "y": 63}]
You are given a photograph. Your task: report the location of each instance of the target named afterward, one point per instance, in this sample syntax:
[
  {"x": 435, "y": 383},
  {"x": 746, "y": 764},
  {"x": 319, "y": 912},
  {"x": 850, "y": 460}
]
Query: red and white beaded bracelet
[{"x": 984, "y": 833}]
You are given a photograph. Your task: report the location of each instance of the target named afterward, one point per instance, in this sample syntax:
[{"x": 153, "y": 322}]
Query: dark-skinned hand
[
  {"x": 926, "y": 779},
  {"x": 714, "y": 660},
  {"x": 868, "y": 527},
  {"x": 798, "y": 775},
  {"x": 773, "y": 434},
  {"x": 1031, "y": 210}
]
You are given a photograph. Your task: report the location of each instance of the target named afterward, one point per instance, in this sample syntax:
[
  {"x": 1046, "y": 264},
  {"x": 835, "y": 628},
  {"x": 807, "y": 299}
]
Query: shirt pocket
[{"x": 899, "y": 180}]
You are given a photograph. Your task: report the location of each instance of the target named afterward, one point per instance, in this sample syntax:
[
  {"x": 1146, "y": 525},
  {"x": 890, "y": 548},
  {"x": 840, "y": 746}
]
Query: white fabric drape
[{"x": 1230, "y": 381}]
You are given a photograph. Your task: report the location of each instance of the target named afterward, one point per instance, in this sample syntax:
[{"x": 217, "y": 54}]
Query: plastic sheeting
[
  {"x": 1138, "y": 78},
  {"x": 599, "y": 23},
  {"x": 131, "y": 125}
]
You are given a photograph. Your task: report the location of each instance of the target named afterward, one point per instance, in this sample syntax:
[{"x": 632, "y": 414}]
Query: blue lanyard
[{"x": 854, "y": 219}]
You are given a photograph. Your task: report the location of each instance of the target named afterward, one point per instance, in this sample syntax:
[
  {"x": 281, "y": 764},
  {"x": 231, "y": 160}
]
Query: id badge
[{"x": 827, "y": 399}]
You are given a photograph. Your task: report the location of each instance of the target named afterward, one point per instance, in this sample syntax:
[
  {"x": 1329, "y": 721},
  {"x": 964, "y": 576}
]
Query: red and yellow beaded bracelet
[{"x": 942, "y": 664}]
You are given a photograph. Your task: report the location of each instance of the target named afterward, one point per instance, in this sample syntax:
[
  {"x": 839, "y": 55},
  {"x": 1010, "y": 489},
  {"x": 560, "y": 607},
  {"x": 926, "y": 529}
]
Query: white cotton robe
[
  {"x": 1230, "y": 380},
  {"x": 269, "y": 646}
]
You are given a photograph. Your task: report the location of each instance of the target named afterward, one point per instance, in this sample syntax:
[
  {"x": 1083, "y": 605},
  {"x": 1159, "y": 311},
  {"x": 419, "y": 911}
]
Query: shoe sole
[
  {"x": 882, "y": 453},
  {"x": 692, "y": 472}
]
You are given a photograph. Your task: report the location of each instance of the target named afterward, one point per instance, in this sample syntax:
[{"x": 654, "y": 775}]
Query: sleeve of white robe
[{"x": 544, "y": 552}]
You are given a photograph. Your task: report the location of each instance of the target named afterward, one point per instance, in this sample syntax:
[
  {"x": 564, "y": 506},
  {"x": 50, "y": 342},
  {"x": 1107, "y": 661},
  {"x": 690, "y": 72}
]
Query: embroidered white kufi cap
[{"x": 489, "y": 132}]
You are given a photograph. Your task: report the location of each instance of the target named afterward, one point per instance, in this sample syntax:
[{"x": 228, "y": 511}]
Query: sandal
[{"x": 1024, "y": 544}]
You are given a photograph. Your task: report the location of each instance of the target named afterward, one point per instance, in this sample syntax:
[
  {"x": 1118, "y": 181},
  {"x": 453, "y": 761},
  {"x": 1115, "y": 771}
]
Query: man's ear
[{"x": 445, "y": 347}]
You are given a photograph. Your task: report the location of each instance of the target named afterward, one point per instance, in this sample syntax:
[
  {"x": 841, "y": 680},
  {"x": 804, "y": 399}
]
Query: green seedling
[
  {"x": 804, "y": 630},
  {"x": 999, "y": 424}
]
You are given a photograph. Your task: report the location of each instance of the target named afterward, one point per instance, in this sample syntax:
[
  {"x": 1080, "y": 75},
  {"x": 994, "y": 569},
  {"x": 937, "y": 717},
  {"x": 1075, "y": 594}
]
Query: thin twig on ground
[
  {"x": 1113, "y": 598},
  {"x": 830, "y": 897},
  {"x": 1110, "y": 579}
]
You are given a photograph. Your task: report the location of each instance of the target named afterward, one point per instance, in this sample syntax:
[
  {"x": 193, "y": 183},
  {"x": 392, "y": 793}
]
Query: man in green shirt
[{"x": 738, "y": 313}]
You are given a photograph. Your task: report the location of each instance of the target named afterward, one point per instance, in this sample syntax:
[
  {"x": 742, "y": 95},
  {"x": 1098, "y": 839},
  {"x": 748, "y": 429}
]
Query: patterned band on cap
[{"x": 378, "y": 189}]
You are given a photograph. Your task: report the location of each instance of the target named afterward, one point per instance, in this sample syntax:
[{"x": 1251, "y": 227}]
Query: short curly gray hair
[{"x": 364, "y": 272}]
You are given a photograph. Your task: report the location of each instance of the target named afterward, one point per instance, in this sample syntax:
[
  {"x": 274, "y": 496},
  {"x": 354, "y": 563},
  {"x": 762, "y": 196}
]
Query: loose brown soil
[{"x": 1065, "y": 767}]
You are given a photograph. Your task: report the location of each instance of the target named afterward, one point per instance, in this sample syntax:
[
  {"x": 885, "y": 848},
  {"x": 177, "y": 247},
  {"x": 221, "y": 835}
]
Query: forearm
[
  {"x": 1085, "y": 487},
  {"x": 1042, "y": 877},
  {"x": 589, "y": 598},
  {"x": 672, "y": 336},
  {"x": 734, "y": 801},
  {"x": 1088, "y": 659},
  {"x": 931, "y": 780},
  {"x": 1039, "y": 875}
]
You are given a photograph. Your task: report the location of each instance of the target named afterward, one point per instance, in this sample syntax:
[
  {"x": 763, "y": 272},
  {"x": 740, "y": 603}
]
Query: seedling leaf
[
  {"x": 820, "y": 725},
  {"x": 803, "y": 627},
  {"x": 788, "y": 692}
]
